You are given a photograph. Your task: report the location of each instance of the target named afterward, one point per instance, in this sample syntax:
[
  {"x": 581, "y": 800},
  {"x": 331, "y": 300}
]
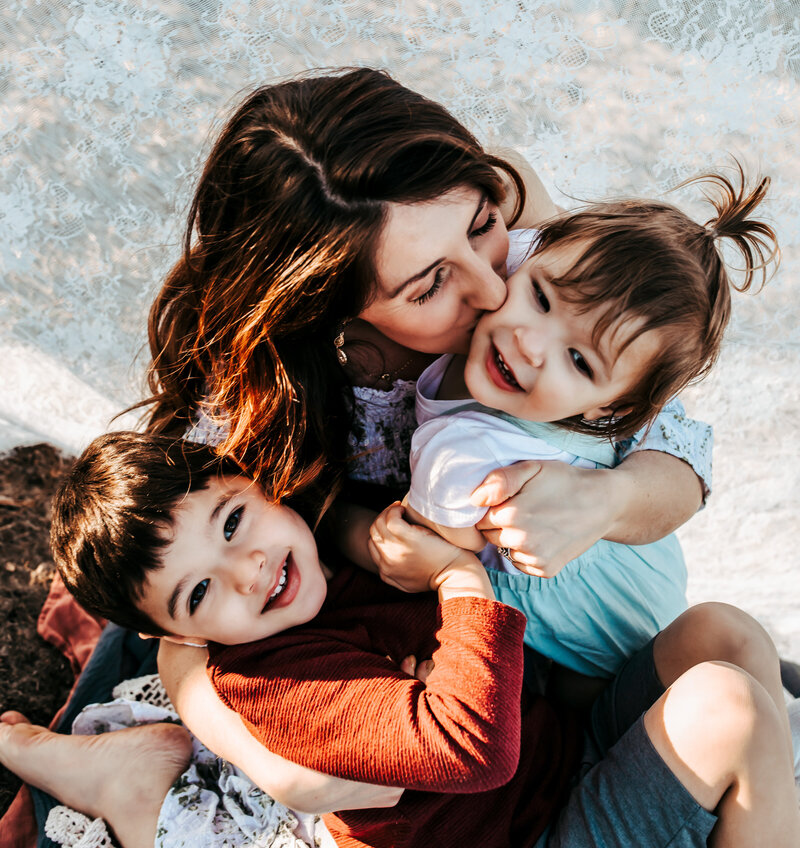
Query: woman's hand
[
  {"x": 548, "y": 513},
  {"x": 545, "y": 513},
  {"x": 302, "y": 789}
]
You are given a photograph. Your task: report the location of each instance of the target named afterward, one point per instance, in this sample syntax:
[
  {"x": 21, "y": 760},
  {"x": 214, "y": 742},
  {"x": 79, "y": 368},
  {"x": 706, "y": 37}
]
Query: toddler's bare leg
[
  {"x": 122, "y": 776},
  {"x": 715, "y": 631},
  {"x": 721, "y": 734}
]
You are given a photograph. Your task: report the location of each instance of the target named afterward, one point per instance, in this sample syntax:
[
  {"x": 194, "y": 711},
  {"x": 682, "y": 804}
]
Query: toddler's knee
[
  {"x": 724, "y": 701},
  {"x": 731, "y": 635}
]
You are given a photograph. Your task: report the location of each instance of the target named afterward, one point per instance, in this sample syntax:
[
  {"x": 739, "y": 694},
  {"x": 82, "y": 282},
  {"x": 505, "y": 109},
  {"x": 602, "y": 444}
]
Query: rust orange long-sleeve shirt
[{"x": 478, "y": 769}]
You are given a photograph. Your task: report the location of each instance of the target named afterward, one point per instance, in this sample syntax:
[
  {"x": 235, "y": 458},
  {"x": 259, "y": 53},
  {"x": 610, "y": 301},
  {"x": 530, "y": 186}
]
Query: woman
[{"x": 345, "y": 231}]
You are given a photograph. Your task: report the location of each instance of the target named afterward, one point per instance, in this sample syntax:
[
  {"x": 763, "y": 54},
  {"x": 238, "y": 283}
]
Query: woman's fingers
[{"x": 503, "y": 483}]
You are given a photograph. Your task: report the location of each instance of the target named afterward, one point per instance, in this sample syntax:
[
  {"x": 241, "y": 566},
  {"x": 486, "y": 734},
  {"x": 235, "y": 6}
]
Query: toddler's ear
[{"x": 606, "y": 412}]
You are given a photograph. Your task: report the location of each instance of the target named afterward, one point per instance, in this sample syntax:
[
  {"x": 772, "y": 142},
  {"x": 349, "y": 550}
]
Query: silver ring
[{"x": 505, "y": 552}]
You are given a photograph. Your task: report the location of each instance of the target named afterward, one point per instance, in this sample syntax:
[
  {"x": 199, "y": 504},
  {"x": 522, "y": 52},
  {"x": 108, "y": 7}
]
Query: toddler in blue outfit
[{"x": 617, "y": 308}]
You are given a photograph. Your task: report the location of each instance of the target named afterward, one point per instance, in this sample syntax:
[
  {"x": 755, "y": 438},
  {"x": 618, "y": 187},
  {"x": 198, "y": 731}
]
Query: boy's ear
[
  {"x": 177, "y": 640},
  {"x": 183, "y": 640},
  {"x": 606, "y": 412}
]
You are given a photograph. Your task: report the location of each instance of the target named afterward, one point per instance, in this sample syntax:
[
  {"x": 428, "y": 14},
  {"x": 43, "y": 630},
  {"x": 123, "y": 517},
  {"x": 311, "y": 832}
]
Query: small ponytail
[{"x": 755, "y": 240}]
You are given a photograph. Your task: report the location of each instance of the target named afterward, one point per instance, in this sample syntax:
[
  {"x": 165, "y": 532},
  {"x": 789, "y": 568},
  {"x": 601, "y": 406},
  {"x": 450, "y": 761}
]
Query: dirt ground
[{"x": 34, "y": 677}]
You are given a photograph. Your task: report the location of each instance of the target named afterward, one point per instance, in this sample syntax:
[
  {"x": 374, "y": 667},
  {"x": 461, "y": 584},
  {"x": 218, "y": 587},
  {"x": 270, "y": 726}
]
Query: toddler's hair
[
  {"x": 113, "y": 513},
  {"x": 649, "y": 261}
]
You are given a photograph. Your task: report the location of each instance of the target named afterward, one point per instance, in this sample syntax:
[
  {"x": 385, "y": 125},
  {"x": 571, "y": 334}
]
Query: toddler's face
[
  {"x": 237, "y": 567},
  {"x": 535, "y": 357}
]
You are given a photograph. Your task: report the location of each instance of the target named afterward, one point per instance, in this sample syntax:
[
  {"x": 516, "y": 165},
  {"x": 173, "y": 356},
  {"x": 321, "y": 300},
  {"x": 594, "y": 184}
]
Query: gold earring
[{"x": 338, "y": 343}]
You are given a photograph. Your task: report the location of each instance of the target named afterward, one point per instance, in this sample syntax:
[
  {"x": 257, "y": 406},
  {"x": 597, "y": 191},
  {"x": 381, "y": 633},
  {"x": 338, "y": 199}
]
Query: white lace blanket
[{"x": 212, "y": 804}]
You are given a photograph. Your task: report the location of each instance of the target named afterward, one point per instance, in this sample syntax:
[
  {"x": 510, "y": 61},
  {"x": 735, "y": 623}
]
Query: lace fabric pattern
[{"x": 107, "y": 108}]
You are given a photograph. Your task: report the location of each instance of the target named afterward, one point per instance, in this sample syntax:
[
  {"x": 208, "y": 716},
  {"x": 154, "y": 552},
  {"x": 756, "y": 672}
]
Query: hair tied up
[{"x": 734, "y": 204}]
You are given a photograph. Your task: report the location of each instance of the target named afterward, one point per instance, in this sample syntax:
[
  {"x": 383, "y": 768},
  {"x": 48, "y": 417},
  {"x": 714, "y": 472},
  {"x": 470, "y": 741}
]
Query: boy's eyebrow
[
  {"x": 425, "y": 271},
  {"x": 172, "y": 603}
]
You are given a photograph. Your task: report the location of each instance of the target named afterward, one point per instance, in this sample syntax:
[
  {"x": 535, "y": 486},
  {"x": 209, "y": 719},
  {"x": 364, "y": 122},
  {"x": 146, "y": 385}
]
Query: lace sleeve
[{"x": 675, "y": 433}]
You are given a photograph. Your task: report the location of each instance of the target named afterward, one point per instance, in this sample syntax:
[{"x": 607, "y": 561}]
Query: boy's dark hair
[
  {"x": 648, "y": 260},
  {"x": 112, "y": 515}
]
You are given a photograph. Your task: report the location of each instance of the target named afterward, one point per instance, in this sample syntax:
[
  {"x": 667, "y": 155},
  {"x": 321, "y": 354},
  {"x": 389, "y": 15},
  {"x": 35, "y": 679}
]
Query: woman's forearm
[
  {"x": 654, "y": 493},
  {"x": 221, "y": 730}
]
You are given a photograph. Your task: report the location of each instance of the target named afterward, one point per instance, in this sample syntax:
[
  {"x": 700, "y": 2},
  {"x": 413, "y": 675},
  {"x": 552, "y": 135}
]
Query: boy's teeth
[{"x": 281, "y": 584}]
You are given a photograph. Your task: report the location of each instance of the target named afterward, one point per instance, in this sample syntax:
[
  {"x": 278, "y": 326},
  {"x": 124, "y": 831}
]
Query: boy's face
[
  {"x": 237, "y": 567},
  {"x": 535, "y": 358}
]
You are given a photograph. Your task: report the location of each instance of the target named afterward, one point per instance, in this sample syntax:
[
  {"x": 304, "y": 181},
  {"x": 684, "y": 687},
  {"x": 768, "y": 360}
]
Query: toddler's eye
[
  {"x": 580, "y": 363},
  {"x": 198, "y": 593},
  {"x": 231, "y": 523},
  {"x": 541, "y": 297}
]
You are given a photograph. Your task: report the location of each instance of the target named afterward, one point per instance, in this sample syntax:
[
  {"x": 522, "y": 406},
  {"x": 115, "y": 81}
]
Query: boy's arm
[
  {"x": 363, "y": 718},
  {"x": 183, "y": 673}
]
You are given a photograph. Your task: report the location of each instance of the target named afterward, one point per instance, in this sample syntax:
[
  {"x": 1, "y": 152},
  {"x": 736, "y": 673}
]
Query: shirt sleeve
[
  {"x": 448, "y": 461},
  {"x": 347, "y": 712},
  {"x": 673, "y": 432}
]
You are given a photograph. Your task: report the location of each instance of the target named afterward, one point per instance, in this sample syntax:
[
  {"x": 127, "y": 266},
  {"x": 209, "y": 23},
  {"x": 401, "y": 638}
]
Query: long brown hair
[
  {"x": 279, "y": 252},
  {"x": 648, "y": 260}
]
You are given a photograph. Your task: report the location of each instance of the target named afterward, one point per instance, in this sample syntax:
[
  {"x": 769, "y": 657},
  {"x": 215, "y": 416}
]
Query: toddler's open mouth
[{"x": 499, "y": 371}]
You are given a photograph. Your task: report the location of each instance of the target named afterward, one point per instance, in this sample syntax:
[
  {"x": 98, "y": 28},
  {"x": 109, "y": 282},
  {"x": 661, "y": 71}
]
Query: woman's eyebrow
[{"x": 425, "y": 271}]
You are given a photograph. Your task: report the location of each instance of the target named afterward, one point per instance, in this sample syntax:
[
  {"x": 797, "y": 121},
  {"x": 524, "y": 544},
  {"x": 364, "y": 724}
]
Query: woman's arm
[
  {"x": 548, "y": 513},
  {"x": 183, "y": 673}
]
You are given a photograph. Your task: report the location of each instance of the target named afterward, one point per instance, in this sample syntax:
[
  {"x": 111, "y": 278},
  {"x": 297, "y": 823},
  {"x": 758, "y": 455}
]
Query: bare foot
[{"x": 120, "y": 776}]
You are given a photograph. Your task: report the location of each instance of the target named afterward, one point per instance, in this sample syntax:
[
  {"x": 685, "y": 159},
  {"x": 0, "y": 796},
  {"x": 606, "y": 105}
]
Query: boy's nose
[{"x": 247, "y": 572}]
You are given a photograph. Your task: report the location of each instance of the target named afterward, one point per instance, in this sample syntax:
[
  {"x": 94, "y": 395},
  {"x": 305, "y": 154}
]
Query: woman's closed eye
[
  {"x": 438, "y": 279},
  {"x": 197, "y": 595},
  {"x": 491, "y": 220},
  {"x": 232, "y": 523}
]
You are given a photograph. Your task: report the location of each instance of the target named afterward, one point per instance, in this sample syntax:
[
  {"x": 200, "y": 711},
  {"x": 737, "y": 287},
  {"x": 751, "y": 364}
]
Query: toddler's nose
[{"x": 532, "y": 345}]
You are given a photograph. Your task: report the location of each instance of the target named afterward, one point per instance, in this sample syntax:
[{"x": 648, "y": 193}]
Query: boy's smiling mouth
[
  {"x": 287, "y": 578},
  {"x": 499, "y": 371}
]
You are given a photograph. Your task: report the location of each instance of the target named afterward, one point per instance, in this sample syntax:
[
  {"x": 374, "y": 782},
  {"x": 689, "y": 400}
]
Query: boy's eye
[
  {"x": 580, "y": 363},
  {"x": 491, "y": 220},
  {"x": 198, "y": 593},
  {"x": 231, "y": 523},
  {"x": 541, "y": 297},
  {"x": 438, "y": 279}
]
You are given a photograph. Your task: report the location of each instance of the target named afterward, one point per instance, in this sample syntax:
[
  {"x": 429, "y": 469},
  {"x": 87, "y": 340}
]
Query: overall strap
[{"x": 594, "y": 448}]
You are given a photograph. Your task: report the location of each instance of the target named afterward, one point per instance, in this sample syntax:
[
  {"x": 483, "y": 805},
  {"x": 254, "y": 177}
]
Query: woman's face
[{"x": 440, "y": 264}]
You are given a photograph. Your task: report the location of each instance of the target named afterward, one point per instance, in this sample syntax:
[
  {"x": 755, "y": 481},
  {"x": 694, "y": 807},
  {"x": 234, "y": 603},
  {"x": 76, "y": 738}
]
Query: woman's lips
[{"x": 499, "y": 372}]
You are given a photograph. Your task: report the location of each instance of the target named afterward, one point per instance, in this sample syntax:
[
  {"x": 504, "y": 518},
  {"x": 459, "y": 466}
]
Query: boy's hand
[
  {"x": 416, "y": 559},
  {"x": 408, "y": 556}
]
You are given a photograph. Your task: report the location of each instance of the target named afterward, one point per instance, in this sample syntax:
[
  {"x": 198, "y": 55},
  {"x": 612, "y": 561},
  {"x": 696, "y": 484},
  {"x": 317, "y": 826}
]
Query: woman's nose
[{"x": 487, "y": 289}]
